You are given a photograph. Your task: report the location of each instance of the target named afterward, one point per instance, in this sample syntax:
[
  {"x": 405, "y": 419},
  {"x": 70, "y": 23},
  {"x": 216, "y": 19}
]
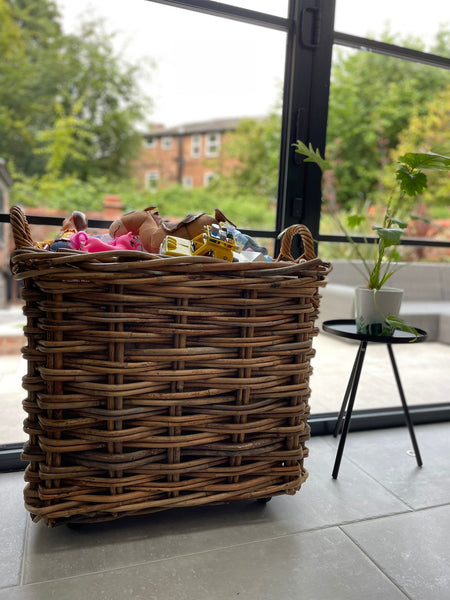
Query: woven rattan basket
[{"x": 156, "y": 383}]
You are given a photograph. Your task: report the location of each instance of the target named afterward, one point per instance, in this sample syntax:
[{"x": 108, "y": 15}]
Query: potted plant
[{"x": 378, "y": 305}]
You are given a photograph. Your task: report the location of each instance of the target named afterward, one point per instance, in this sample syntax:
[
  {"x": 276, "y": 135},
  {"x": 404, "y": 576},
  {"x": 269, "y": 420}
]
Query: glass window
[
  {"x": 187, "y": 181},
  {"x": 207, "y": 68},
  {"x": 190, "y": 85},
  {"x": 208, "y": 178},
  {"x": 196, "y": 141},
  {"x": 407, "y": 23},
  {"x": 212, "y": 144},
  {"x": 152, "y": 179},
  {"x": 150, "y": 142},
  {"x": 273, "y": 7},
  {"x": 166, "y": 142}
]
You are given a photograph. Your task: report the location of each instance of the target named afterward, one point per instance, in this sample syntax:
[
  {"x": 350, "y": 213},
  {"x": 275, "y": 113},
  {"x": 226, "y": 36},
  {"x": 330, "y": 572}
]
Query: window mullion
[{"x": 305, "y": 110}]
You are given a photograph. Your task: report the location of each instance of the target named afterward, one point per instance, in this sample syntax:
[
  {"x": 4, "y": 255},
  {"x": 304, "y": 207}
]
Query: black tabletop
[{"x": 347, "y": 328}]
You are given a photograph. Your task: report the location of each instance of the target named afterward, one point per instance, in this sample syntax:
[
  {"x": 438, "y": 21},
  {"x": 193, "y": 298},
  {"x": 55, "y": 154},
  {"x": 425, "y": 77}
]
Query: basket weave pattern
[{"x": 156, "y": 383}]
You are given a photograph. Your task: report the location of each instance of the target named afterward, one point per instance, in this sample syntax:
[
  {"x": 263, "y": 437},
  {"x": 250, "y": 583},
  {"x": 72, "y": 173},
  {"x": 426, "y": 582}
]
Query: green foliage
[
  {"x": 372, "y": 100},
  {"x": 411, "y": 181},
  {"x": 69, "y": 103},
  {"x": 312, "y": 155},
  {"x": 245, "y": 210},
  {"x": 398, "y": 323},
  {"x": 68, "y": 140},
  {"x": 253, "y": 150},
  {"x": 69, "y": 193}
]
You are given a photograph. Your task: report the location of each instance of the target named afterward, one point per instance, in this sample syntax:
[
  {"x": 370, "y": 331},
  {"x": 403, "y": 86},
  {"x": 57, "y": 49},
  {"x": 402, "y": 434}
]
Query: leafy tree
[
  {"x": 45, "y": 75},
  {"x": 372, "y": 100},
  {"x": 427, "y": 132},
  {"x": 68, "y": 140},
  {"x": 112, "y": 102},
  {"x": 28, "y": 58},
  {"x": 253, "y": 153}
]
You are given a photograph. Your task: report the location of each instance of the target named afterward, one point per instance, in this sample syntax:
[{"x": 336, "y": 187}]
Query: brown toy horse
[{"x": 152, "y": 228}]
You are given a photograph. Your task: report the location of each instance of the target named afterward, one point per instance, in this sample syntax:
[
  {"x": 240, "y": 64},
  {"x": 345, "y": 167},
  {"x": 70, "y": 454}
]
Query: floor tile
[
  {"x": 386, "y": 456},
  {"x": 412, "y": 549},
  {"x": 321, "y": 502},
  {"x": 12, "y": 528},
  {"x": 317, "y": 565}
]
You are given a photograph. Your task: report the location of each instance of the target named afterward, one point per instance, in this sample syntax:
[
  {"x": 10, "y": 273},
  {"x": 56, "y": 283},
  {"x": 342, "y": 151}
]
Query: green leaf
[
  {"x": 398, "y": 323},
  {"x": 411, "y": 183},
  {"x": 355, "y": 220},
  {"x": 311, "y": 155},
  {"x": 422, "y": 219},
  {"x": 400, "y": 223},
  {"x": 391, "y": 236},
  {"x": 426, "y": 160},
  {"x": 394, "y": 256}
]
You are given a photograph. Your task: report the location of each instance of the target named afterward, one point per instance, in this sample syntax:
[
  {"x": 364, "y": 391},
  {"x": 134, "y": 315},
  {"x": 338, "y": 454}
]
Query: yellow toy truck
[{"x": 215, "y": 241}]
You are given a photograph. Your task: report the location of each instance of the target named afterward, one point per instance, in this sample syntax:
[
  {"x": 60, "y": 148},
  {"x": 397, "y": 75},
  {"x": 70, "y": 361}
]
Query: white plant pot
[{"x": 373, "y": 306}]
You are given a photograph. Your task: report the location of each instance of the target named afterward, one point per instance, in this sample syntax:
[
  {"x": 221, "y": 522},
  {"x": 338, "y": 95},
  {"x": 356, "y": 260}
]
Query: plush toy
[
  {"x": 152, "y": 228},
  {"x": 82, "y": 241}
]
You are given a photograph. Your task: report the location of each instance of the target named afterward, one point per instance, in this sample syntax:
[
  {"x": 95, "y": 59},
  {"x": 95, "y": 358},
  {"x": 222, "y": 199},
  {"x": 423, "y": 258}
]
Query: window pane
[
  {"x": 278, "y": 8},
  {"x": 380, "y": 109},
  {"x": 210, "y": 74},
  {"x": 215, "y": 87},
  {"x": 411, "y": 21}
]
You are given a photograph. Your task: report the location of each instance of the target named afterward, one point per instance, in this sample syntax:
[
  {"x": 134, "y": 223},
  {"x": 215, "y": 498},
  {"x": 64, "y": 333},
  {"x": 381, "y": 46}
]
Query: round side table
[{"x": 347, "y": 328}]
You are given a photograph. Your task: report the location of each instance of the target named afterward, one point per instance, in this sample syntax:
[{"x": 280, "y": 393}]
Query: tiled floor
[{"x": 380, "y": 531}]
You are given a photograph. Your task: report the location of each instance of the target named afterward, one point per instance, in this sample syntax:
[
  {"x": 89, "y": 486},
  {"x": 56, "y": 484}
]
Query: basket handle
[
  {"x": 307, "y": 241},
  {"x": 20, "y": 228}
]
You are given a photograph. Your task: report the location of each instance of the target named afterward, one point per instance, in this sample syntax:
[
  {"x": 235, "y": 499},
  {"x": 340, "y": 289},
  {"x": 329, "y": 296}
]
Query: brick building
[{"x": 185, "y": 154}]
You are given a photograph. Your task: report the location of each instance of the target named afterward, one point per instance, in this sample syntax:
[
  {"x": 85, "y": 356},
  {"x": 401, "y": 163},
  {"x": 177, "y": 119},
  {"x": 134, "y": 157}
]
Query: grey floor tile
[
  {"x": 412, "y": 549},
  {"x": 64, "y": 552},
  {"x": 12, "y": 528},
  {"x": 319, "y": 565},
  {"x": 386, "y": 456}
]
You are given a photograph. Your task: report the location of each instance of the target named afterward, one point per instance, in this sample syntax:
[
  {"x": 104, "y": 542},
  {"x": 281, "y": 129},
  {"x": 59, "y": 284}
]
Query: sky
[{"x": 207, "y": 67}]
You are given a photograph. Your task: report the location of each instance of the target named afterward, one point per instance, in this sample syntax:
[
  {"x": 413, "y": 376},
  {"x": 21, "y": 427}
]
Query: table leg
[
  {"x": 338, "y": 427},
  {"x": 354, "y": 379},
  {"x": 405, "y": 406}
]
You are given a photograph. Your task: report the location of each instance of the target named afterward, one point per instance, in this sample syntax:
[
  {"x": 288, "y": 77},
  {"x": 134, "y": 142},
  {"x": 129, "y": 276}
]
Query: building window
[
  {"x": 150, "y": 142},
  {"x": 208, "y": 177},
  {"x": 196, "y": 145},
  {"x": 212, "y": 144},
  {"x": 151, "y": 180},
  {"x": 166, "y": 142},
  {"x": 187, "y": 181}
]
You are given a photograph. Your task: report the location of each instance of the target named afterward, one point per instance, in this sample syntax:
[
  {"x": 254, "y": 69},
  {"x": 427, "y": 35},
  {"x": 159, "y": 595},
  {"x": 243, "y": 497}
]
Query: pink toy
[{"x": 82, "y": 241}]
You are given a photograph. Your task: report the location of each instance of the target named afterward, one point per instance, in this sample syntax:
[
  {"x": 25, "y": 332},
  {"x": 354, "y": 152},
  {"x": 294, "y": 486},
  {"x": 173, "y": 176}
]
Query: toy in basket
[
  {"x": 214, "y": 241},
  {"x": 157, "y": 382}
]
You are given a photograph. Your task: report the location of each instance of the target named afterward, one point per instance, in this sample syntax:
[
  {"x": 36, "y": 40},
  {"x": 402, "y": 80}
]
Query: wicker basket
[{"x": 156, "y": 383}]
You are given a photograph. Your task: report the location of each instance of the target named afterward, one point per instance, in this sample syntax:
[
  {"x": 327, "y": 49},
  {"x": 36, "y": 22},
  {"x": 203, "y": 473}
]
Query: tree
[
  {"x": 67, "y": 141},
  {"x": 27, "y": 32},
  {"x": 44, "y": 78},
  {"x": 372, "y": 100},
  {"x": 252, "y": 151},
  {"x": 427, "y": 132}
]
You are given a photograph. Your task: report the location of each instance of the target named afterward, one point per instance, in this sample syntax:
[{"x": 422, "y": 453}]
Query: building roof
[{"x": 212, "y": 125}]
